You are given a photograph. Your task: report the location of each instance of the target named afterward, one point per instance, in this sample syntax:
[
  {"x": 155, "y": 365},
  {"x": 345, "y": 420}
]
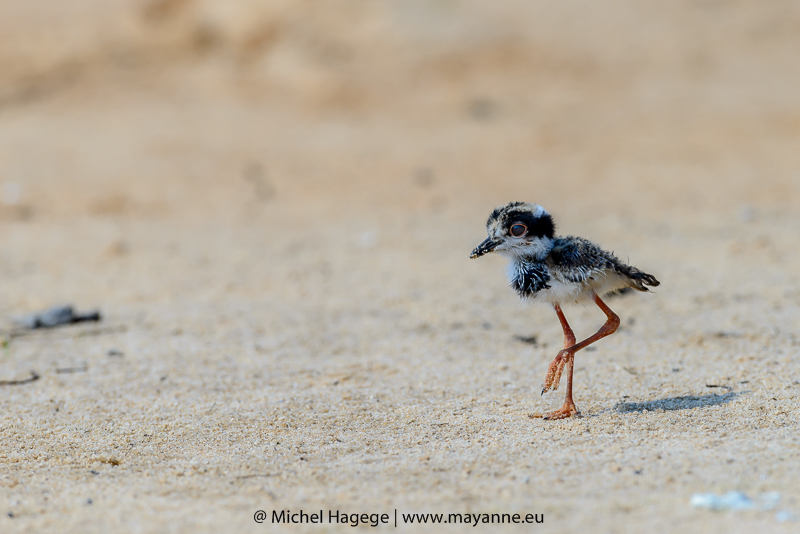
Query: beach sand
[{"x": 273, "y": 207}]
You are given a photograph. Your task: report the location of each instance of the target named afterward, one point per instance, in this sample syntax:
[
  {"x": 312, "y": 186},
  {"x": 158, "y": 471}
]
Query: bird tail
[{"x": 640, "y": 280}]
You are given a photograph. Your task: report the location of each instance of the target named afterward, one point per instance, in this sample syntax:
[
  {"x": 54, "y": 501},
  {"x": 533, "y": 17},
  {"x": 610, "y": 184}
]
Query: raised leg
[{"x": 566, "y": 357}]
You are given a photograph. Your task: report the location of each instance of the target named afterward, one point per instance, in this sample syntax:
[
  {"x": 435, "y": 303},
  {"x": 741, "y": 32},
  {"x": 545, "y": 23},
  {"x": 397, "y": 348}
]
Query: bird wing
[{"x": 575, "y": 259}]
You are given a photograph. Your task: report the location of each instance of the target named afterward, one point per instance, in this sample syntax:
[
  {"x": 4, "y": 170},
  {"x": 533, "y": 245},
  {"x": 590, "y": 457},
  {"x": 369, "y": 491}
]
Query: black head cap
[{"x": 537, "y": 221}]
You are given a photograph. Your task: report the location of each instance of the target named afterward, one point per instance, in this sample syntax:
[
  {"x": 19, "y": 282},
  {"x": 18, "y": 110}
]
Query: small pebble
[
  {"x": 733, "y": 500},
  {"x": 57, "y": 316},
  {"x": 736, "y": 500}
]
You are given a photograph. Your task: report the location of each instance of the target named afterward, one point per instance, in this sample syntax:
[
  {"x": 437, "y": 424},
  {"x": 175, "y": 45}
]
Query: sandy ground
[{"x": 273, "y": 205}]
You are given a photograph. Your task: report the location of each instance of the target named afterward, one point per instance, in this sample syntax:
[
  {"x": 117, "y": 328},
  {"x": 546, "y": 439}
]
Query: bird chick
[{"x": 558, "y": 270}]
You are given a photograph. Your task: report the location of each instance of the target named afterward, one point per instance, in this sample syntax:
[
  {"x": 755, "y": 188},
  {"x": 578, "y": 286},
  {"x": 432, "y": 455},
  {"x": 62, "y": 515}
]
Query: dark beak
[{"x": 484, "y": 248}]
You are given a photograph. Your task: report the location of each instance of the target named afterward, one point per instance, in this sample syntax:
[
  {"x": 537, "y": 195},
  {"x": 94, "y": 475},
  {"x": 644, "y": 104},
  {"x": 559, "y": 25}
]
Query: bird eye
[{"x": 518, "y": 230}]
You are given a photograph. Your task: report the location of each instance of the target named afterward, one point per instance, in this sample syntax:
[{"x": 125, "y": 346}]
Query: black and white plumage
[
  {"x": 558, "y": 270},
  {"x": 554, "y": 269}
]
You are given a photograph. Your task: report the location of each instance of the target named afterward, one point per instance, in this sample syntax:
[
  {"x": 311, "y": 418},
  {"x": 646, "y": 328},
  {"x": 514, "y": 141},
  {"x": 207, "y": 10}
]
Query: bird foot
[
  {"x": 553, "y": 376},
  {"x": 566, "y": 411}
]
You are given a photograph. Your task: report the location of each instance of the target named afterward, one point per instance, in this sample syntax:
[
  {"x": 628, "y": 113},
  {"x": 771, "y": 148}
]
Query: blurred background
[
  {"x": 167, "y": 150},
  {"x": 201, "y": 149}
]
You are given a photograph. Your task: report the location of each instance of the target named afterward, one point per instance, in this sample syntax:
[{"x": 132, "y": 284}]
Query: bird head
[{"x": 518, "y": 229}]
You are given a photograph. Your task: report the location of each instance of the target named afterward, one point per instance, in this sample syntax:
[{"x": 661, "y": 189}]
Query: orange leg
[
  {"x": 553, "y": 377},
  {"x": 566, "y": 357}
]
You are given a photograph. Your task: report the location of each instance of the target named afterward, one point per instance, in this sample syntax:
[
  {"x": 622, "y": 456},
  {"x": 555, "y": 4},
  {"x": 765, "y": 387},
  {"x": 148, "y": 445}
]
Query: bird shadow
[{"x": 686, "y": 402}]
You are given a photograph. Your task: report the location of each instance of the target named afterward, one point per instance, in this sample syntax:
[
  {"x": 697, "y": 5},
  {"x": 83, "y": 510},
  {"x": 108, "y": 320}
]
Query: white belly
[{"x": 563, "y": 291}]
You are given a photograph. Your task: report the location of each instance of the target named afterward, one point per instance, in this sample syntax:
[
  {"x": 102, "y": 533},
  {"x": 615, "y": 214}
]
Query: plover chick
[{"x": 558, "y": 271}]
